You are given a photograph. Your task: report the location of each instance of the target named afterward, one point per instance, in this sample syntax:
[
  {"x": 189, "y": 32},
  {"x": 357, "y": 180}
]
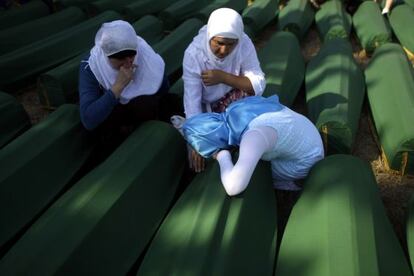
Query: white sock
[{"x": 385, "y": 11}]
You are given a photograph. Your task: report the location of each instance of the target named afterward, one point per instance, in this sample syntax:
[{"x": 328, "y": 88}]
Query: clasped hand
[
  {"x": 125, "y": 75},
  {"x": 212, "y": 77}
]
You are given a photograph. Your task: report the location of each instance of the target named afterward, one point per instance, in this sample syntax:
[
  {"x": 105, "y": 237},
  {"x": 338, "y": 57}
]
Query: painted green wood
[
  {"x": 402, "y": 20},
  {"x": 210, "y": 233},
  {"x": 25, "y": 13},
  {"x": 104, "y": 222},
  {"x": 138, "y": 9},
  {"x": 284, "y": 67},
  {"x": 23, "y": 34},
  {"x": 13, "y": 119},
  {"x": 205, "y": 12},
  {"x": 179, "y": 11},
  {"x": 296, "y": 17},
  {"x": 259, "y": 14},
  {"x": 37, "y": 166},
  {"x": 98, "y": 6},
  {"x": 371, "y": 26},
  {"x": 339, "y": 225},
  {"x": 172, "y": 47},
  {"x": 60, "y": 85},
  {"x": 410, "y": 230},
  {"x": 335, "y": 91},
  {"x": 390, "y": 84},
  {"x": 83, "y": 4},
  {"x": 333, "y": 21},
  {"x": 37, "y": 57}
]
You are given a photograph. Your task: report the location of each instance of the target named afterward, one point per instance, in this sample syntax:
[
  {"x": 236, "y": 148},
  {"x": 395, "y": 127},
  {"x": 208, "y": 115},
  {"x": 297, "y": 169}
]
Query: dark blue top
[{"x": 96, "y": 103}]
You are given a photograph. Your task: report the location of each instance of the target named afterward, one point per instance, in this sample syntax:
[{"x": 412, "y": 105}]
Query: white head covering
[
  {"x": 117, "y": 36},
  {"x": 226, "y": 23}
]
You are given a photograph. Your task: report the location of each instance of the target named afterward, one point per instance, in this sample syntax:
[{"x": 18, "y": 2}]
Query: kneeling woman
[
  {"x": 263, "y": 129},
  {"x": 121, "y": 82}
]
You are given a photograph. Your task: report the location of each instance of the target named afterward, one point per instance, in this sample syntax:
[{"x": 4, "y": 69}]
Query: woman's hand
[
  {"x": 212, "y": 77},
  {"x": 125, "y": 75},
  {"x": 197, "y": 162}
]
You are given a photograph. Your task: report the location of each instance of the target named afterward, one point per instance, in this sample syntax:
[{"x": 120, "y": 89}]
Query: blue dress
[{"x": 298, "y": 144}]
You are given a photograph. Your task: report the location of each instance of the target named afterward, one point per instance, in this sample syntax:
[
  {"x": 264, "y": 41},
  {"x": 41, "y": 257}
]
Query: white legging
[{"x": 254, "y": 143}]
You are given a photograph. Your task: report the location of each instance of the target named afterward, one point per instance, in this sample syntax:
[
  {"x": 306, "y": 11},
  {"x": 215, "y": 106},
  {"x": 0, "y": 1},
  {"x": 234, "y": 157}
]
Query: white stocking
[{"x": 254, "y": 143}]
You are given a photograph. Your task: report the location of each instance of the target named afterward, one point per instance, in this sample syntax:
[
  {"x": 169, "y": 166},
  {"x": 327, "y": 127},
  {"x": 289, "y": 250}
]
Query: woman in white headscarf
[
  {"x": 121, "y": 81},
  {"x": 219, "y": 67}
]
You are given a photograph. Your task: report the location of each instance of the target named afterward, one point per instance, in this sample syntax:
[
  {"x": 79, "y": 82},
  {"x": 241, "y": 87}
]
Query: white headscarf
[
  {"x": 117, "y": 36},
  {"x": 226, "y": 23}
]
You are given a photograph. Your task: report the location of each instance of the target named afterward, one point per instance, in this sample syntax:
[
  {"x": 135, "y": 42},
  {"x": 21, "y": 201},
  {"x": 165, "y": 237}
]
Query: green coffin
[
  {"x": 83, "y": 4},
  {"x": 178, "y": 88},
  {"x": 172, "y": 47},
  {"x": 296, "y": 17},
  {"x": 402, "y": 22},
  {"x": 371, "y": 26},
  {"x": 104, "y": 222},
  {"x": 282, "y": 62},
  {"x": 138, "y": 9},
  {"x": 410, "y": 230},
  {"x": 205, "y": 12},
  {"x": 339, "y": 225},
  {"x": 410, "y": 3},
  {"x": 210, "y": 233},
  {"x": 179, "y": 11},
  {"x": 40, "y": 56},
  {"x": 37, "y": 166},
  {"x": 98, "y": 6},
  {"x": 60, "y": 85},
  {"x": 23, "y": 34},
  {"x": 390, "y": 85},
  {"x": 13, "y": 119},
  {"x": 25, "y": 13},
  {"x": 333, "y": 21},
  {"x": 259, "y": 14},
  {"x": 335, "y": 91}
]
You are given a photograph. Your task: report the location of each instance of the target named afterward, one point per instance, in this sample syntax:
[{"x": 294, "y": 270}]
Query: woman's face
[
  {"x": 126, "y": 62},
  {"x": 221, "y": 46}
]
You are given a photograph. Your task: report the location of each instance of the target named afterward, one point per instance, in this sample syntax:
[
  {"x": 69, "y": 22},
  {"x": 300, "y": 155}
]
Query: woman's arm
[
  {"x": 212, "y": 77},
  {"x": 251, "y": 68},
  {"x": 193, "y": 87},
  {"x": 95, "y": 107},
  {"x": 254, "y": 143}
]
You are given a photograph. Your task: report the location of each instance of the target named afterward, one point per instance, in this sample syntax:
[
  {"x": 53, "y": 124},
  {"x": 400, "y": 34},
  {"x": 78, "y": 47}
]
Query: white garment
[
  {"x": 285, "y": 138},
  {"x": 299, "y": 145},
  {"x": 198, "y": 57},
  {"x": 117, "y": 36},
  {"x": 253, "y": 144}
]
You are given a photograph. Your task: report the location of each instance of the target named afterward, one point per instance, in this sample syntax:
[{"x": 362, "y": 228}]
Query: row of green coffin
[
  {"x": 103, "y": 223},
  {"x": 390, "y": 84},
  {"x": 402, "y": 20},
  {"x": 371, "y": 26},
  {"x": 333, "y": 21},
  {"x": 172, "y": 13},
  {"x": 13, "y": 119},
  {"x": 283, "y": 64},
  {"x": 18, "y": 36},
  {"x": 34, "y": 58},
  {"x": 337, "y": 227},
  {"x": 19, "y": 15},
  {"x": 37, "y": 166},
  {"x": 296, "y": 17},
  {"x": 59, "y": 85},
  {"x": 335, "y": 90}
]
